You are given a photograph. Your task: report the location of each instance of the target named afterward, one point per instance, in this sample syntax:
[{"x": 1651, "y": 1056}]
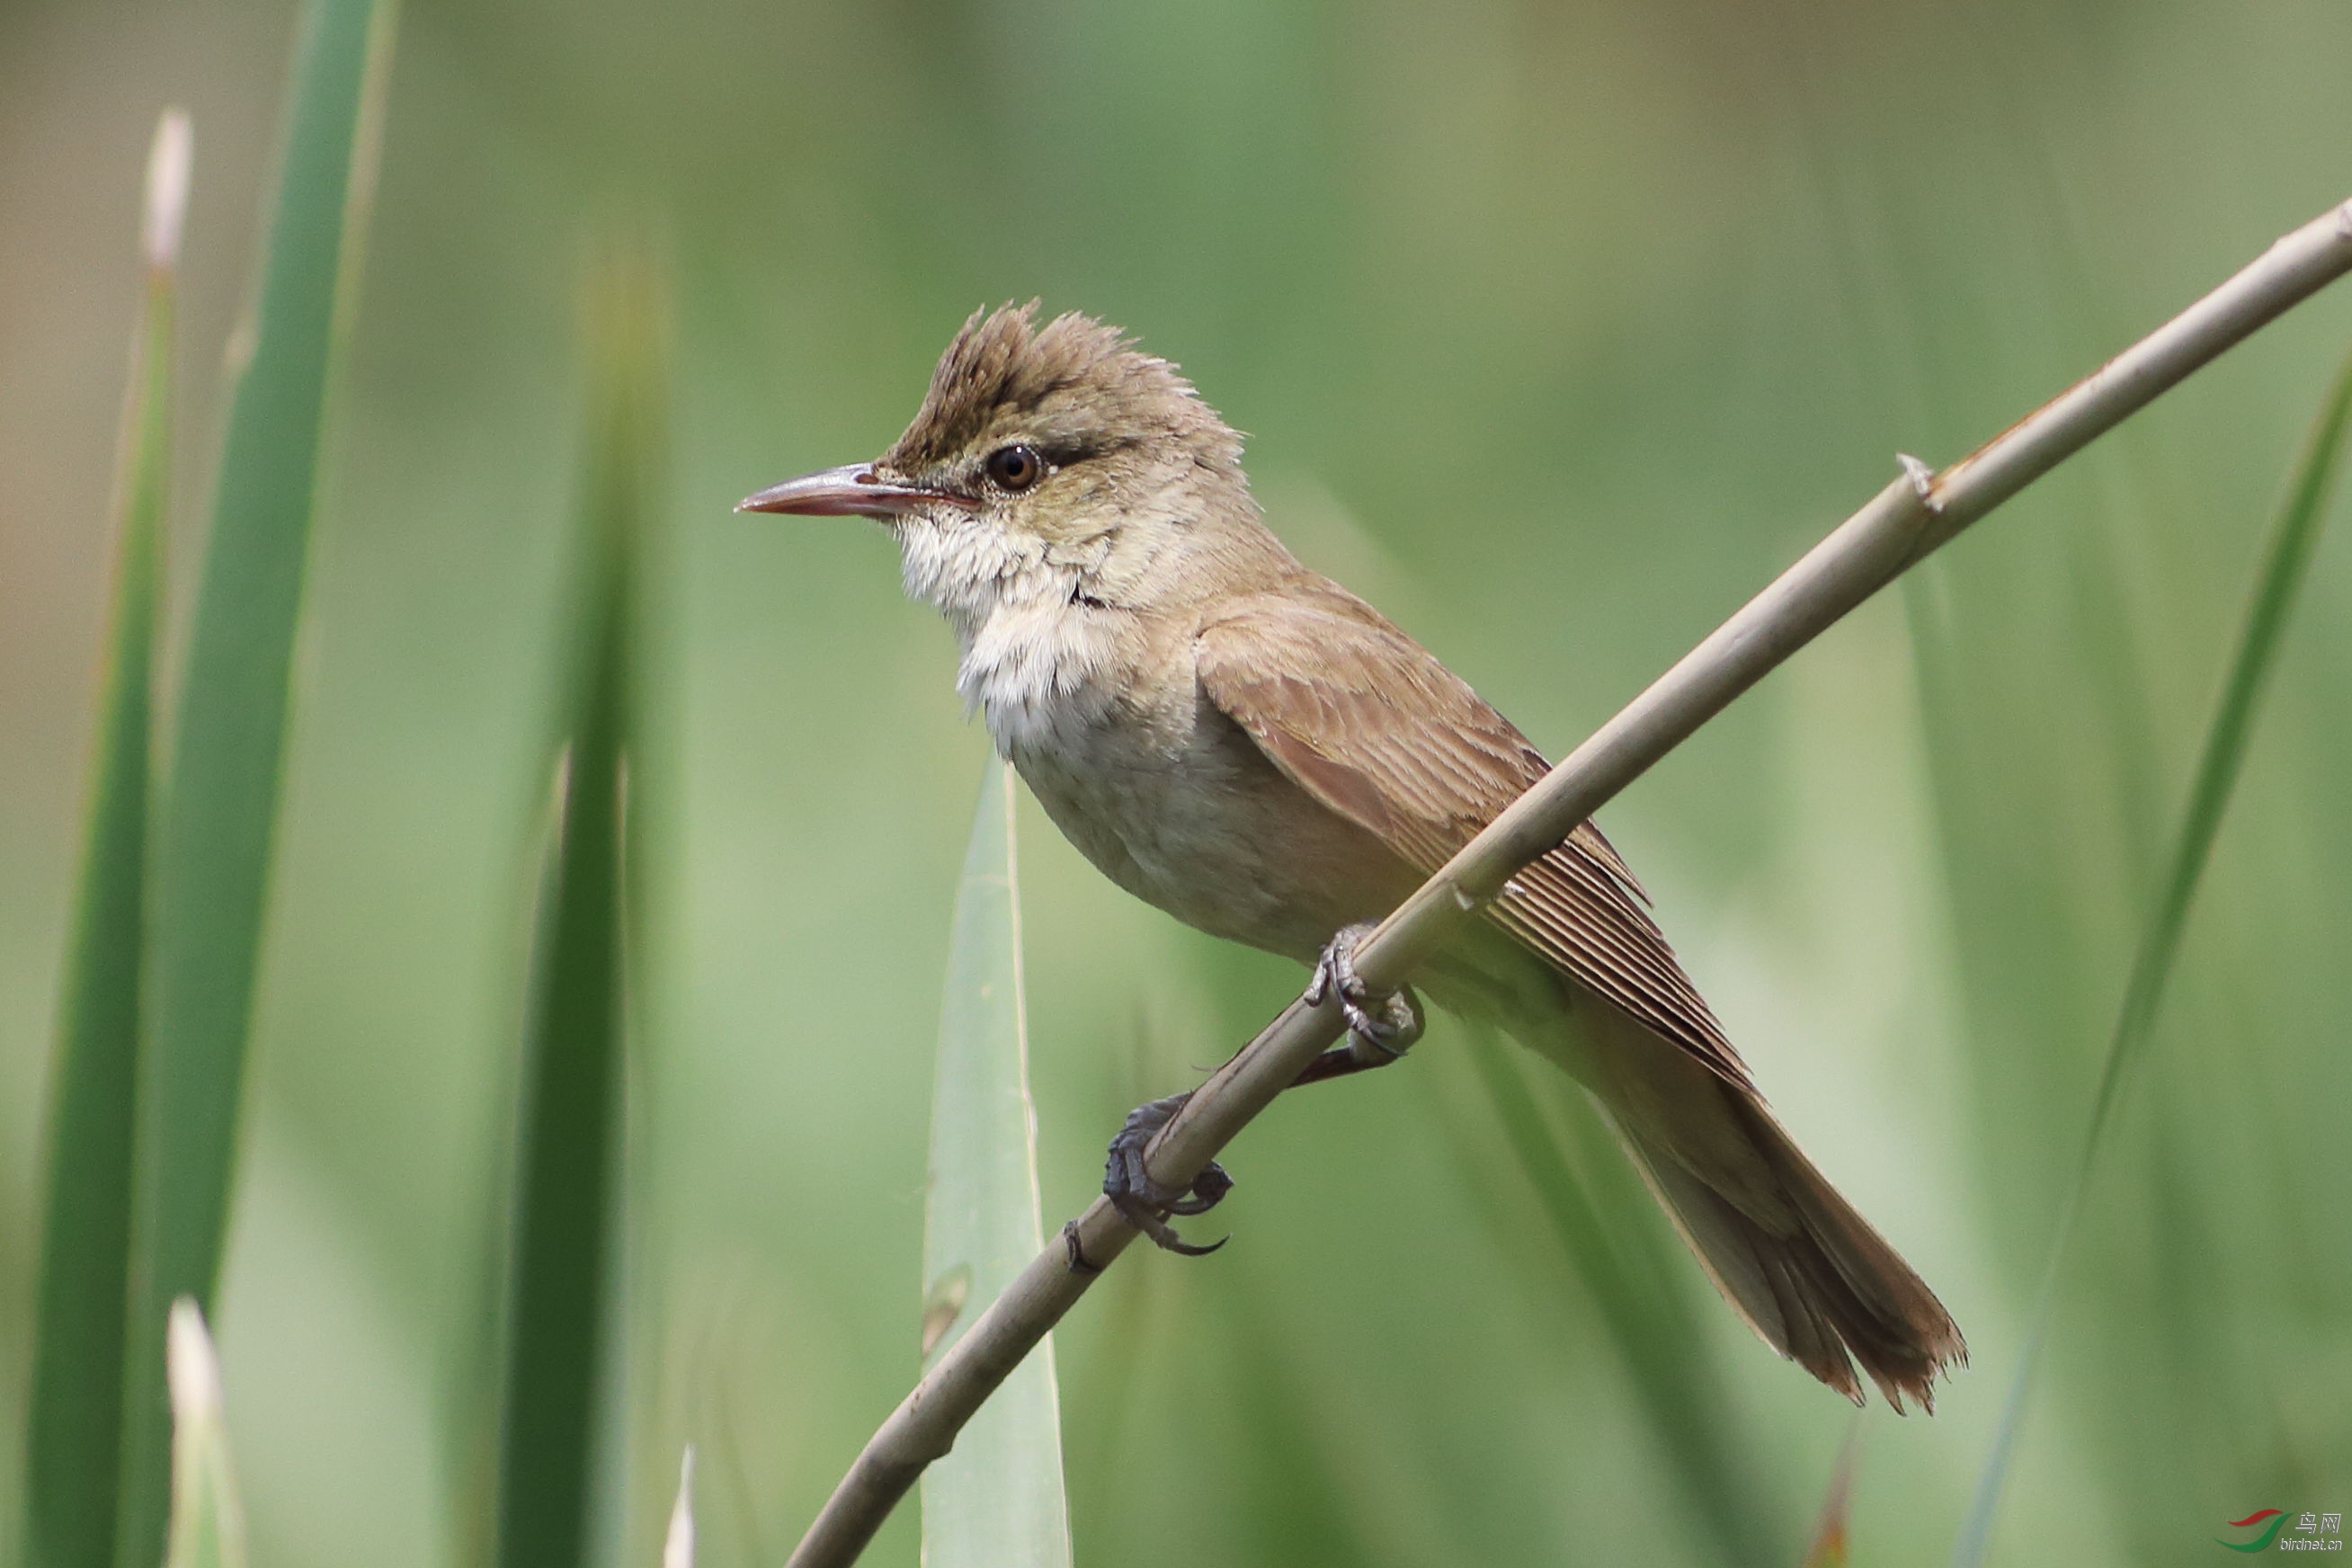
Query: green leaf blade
[
  {"x": 74, "y": 1433},
  {"x": 212, "y": 852},
  {"x": 566, "y": 1238},
  {"x": 998, "y": 1499}
]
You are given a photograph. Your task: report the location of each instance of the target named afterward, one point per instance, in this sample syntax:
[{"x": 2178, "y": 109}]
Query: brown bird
[{"x": 1250, "y": 747}]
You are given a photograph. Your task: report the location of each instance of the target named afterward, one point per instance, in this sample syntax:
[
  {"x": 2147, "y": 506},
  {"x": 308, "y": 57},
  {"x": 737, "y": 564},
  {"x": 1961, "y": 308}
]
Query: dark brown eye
[{"x": 1016, "y": 467}]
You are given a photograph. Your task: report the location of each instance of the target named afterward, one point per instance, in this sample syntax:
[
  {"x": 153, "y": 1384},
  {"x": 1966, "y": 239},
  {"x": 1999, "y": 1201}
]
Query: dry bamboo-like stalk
[{"x": 1898, "y": 528}]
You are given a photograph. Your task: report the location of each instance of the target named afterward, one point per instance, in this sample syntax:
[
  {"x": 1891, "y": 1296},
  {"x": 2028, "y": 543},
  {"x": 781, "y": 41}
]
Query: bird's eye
[{"x": 1016, "y": 467}]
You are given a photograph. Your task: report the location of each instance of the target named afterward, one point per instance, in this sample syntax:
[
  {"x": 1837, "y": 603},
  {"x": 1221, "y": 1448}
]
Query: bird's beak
[{"x": 853, "y": 491}]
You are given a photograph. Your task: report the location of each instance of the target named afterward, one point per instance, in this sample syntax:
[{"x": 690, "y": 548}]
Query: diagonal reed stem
[{"x": 1898, "y": 528}]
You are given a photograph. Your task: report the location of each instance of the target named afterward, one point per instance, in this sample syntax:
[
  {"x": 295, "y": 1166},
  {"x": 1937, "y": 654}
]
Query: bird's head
[{"x": 1052, "y": 458}]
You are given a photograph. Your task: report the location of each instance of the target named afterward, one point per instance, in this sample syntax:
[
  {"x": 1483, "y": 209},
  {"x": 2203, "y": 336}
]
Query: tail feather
[{"x": 1825, "y": 1291}]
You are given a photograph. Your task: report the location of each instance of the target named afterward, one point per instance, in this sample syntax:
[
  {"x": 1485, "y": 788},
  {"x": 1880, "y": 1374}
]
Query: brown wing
[{"x": 1369, "y": 723}]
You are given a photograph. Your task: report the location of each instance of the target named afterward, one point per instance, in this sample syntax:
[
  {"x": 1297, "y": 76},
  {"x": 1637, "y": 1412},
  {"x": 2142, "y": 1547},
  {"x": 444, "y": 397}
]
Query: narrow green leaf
[
  {"x": 1666, "y": 1356},
  {"x": 2294, "y": 537},
  {"x": 208, "y": 1527},
  {"x": 565, "y": 1242},
  {"x": 997, "y": 1500},
  {"x": 213, "y": 848},
  {"x": 74, "y": 1440}
]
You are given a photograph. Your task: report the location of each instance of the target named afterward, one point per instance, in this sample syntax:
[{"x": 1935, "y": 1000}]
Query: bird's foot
[
  {"x": 1144, "y": 1202},
  {"x": 1382, "y": 1026}
]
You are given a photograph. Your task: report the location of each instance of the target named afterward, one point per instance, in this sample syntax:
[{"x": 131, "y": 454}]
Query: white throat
[{"x": 1034, "y": 654}]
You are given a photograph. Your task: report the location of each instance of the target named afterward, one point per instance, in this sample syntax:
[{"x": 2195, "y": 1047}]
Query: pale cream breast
[
  {"x": 1100, "y": 708},
  {"x": 1163, "y": 792}
]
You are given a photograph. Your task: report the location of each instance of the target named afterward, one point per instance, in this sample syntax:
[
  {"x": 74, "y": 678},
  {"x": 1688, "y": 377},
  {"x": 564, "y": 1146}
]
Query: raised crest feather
[{"x": 1059, "y": 379}]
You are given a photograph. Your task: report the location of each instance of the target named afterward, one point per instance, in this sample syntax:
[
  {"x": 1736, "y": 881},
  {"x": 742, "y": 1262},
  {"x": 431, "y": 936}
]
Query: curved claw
[
  {"x": 1163, "y": 1235},
  {"x": 1144, "y": 1202}
]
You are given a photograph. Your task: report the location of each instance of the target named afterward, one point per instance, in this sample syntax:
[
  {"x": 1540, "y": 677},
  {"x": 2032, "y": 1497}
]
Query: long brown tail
[{"x": 1813, "y": 1280}]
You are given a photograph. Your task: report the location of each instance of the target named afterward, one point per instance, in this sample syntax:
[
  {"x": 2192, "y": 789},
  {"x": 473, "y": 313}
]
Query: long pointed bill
[{"x": 853, "y": 491}]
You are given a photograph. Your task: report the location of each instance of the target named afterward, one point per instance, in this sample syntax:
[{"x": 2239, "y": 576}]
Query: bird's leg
[
  {"x": 1380, "y": 1029},
  {"x": 1381, "y": 1026},
  {"x": 1144, "y": 1200}
]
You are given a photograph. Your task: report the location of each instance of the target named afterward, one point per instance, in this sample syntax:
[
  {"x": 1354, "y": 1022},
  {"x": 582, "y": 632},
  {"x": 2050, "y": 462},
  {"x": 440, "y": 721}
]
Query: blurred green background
[{"x": 1557, "y": 330}]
